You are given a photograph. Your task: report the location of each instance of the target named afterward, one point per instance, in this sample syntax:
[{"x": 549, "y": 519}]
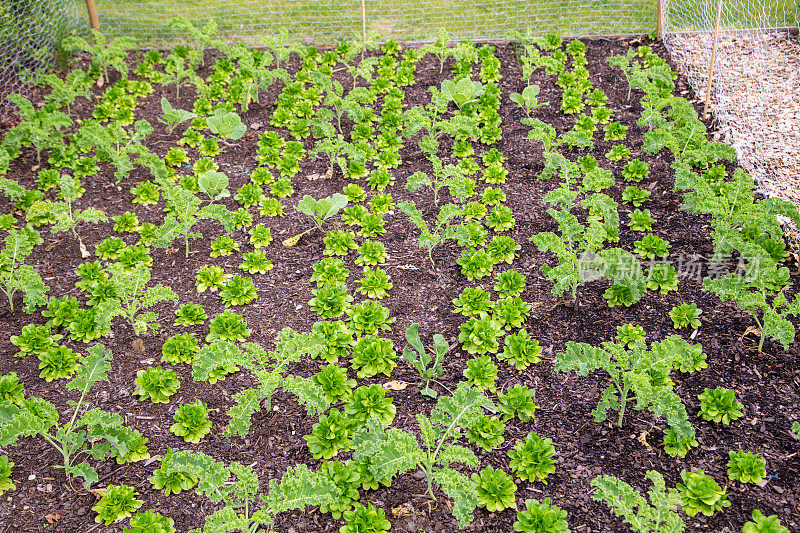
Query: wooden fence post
[
  {"x": 660, "y": 20},
  {"x": 713, "y": 60},
  {"x": 92, "y": 15}
]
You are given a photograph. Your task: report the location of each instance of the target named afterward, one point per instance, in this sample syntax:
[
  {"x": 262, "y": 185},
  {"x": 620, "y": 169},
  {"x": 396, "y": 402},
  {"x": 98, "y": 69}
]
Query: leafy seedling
[
  {"x": 420, "y": 358},
  {"x": 320, "y": 211}
]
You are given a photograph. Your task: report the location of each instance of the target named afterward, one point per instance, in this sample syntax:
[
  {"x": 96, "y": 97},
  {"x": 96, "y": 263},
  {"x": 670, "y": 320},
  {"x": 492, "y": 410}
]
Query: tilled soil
[{"x": 767, "y": 383}]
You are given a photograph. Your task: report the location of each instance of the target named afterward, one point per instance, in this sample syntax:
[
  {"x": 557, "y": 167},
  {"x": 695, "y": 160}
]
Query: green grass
[{"x": 328, "y": 21}]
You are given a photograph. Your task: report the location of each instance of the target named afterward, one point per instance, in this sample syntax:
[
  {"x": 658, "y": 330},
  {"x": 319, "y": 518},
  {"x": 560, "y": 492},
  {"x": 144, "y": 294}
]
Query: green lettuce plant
[
  {"x": 190, "y": 314},
  {"x": 481, "y": 373},
  {"x": 510, "y": 283},
  {"x": 368, "y": 402},
  {"x": 150, "y": 521},
  {"x": 685, "y": 315},
  {"x": 517, "y": 401},
  {"x": 256, "y": 262},
  {"x": 330, "y": 435},
  {"x": 339, "y": 242},
  {"x": 475, "y": 264},
  {"x": 371, "y": 253},
  {"x": 11, "y": 389},
  {"x": 746, "y": 467},
  {"x": 719, "y": 405},
  {"x": 345, "y": 478},
  {"x": 238, "y": 290},
  {"x": 191, "y": 422},
  {"x": 156, "y": 384},
  {"x": 699, "y": 493},
  {"x": 532, "y": 459},
  {"x": 58, "y": 362},
  {"x": 496, "y": 490},
  {"x": 473, "y": 301},
  {"x": 541, "y": 518},
  {"x": 480, "y": 335},
  {"x": 764, "y": 524},
  {"x": 180, "y": 348},
  {"x": 116, "y": 503},
  {"x": 520, "y": 350},
  {"x": 375, "y": 283},
  {"x": 6, "y": 482},
  {"x": 331, "y": 300},
  {"x": 334, "y": 382},
  {"x": 362, "y": 519},
  {"x": 369, "y": 317},
  {"x": 373, "y": 355},
  {"x": 487, "y": 432}
]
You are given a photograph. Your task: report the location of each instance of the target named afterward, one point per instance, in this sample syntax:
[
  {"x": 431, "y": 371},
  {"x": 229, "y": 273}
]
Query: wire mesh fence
[
  {"x": 755, "y": 94},
  {"x": 30, "y": 36},
  {"x": 327, "y": 21}
]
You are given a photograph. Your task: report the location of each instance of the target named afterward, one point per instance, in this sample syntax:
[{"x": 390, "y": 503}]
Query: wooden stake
[
  {"x": 364, "y": 21},
  {"x": 713, "y": 60},
  {"x": 92, "y": 15},
  {"x": 659, "y": 21}
]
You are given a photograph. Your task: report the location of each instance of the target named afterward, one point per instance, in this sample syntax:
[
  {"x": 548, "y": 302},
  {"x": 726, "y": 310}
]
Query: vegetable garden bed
[{"x": 353, "y": 303}]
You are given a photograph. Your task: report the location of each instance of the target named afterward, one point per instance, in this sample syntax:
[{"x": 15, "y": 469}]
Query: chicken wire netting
[
  {"x": 328, "y": 21},
  {"x": 30, "y": 35},
  {"x": 755, "y": 89}
]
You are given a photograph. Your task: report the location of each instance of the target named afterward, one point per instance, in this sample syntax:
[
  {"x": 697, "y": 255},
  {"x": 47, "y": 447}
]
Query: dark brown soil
[{"x": 767, "y": 383}]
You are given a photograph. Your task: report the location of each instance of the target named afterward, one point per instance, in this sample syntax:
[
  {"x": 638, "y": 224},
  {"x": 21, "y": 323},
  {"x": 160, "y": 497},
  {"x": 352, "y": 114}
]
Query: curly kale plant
[
  {"x": 719, "y": 405},
  {"x": 133, "y": 297},
  {"x": 699, "y": 493},
  {"x": 636, "y": 373},
  {"x": 37, "y": 417},
  {"x": 394, "y": 451},
  {"x": 15, "y": 275},
  {"x": 656, "y": 515},
  {"x": 269, "y": 368},
  {"x": 236, "y": 487}
]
